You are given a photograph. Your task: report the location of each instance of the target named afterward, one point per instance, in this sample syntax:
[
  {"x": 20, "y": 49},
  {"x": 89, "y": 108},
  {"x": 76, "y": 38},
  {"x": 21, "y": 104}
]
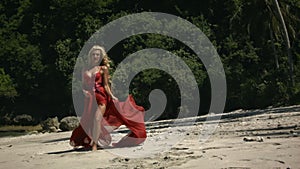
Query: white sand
[{"x": 279, "y": 128}]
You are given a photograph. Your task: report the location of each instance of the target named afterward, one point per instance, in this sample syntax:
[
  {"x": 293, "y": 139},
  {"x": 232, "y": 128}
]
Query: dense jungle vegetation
[{"x": 41, "y": 39}]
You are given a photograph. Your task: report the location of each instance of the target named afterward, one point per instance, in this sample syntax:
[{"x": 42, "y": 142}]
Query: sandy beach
[{"x": 268, "y": 138}]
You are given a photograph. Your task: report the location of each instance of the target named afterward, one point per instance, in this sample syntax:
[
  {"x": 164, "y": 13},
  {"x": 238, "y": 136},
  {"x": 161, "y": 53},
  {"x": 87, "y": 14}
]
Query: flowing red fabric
[{"x": 117, "y": 113}]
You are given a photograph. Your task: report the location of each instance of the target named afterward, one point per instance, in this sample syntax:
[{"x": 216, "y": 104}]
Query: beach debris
[
  {"x": 251, "y": 139},
  {"x": 118, "y": 159},
  {"x": 33, "y": 132},
  {"x": 167, "y": 158}
]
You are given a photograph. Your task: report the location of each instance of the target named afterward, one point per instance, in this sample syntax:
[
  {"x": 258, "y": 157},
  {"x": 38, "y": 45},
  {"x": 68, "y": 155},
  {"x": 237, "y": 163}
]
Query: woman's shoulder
[{"x": 104, "y": 67}]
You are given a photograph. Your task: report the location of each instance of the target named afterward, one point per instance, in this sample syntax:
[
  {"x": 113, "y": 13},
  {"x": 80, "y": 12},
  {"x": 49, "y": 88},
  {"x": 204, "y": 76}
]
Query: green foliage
[
  {"x": 6, "y": 86},
  {"x": 40, "y": 42}
]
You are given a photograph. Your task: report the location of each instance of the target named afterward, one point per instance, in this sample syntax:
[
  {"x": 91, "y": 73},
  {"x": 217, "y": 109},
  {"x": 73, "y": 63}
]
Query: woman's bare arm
[
  {"x": 106, "y": 83},
  {"x": 83, "y": 74}
]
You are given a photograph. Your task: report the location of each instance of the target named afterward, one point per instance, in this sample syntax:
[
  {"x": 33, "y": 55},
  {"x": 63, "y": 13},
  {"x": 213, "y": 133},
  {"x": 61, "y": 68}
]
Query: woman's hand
[
  {"x": 114, "y": 97},
  {"x": 86, "y": 93}
]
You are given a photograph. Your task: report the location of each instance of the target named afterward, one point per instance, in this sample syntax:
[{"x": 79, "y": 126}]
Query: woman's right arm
[
  {"x": 84, "y": 76},
  {"x": 106, "y": 83}
]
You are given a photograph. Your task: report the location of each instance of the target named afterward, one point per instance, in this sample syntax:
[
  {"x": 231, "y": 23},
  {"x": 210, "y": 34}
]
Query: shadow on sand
[
  {"x": 57, "y": 140},
  {"x": 70, "y": 151}
]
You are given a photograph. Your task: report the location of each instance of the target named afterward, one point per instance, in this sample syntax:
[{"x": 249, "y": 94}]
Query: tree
[
  {"x": 7, "y": 88},
  {"x": 287, "y": 41}
]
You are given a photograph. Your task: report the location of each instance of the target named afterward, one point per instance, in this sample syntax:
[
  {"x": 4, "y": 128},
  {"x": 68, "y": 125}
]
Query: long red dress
[{"x": 117, "y": 113}]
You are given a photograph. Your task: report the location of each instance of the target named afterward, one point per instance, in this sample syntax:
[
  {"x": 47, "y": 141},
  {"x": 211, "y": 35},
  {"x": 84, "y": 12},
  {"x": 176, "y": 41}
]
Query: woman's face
[{"x": 96, "y": 57}]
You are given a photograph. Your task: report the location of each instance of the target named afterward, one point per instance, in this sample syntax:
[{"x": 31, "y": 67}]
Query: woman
[{"x": 102, "y": 111}]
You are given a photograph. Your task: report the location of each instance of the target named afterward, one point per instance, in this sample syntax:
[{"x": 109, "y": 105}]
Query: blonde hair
[{"x": 105, "y": 60}]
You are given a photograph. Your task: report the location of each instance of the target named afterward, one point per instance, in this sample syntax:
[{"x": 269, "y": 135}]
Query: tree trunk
[
  {"x": 287, "y": 42},
  {"x": 273, "y": 46}
]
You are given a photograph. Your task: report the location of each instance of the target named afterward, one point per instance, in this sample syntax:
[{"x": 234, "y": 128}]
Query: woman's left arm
[{"x": 106, "y": 83}]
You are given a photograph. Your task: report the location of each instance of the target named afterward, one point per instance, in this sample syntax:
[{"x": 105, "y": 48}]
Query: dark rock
[
  {"x": 50, "y": 125},
  {"x": 23, "y": 120},
  {"x": 69, "y": 123},
  {"x": 6, "y": 120}
]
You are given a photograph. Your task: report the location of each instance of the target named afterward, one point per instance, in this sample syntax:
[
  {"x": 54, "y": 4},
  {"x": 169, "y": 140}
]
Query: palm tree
[
  {"x": 266, "y": 18},
  {"x": 286, "y": 40}
]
